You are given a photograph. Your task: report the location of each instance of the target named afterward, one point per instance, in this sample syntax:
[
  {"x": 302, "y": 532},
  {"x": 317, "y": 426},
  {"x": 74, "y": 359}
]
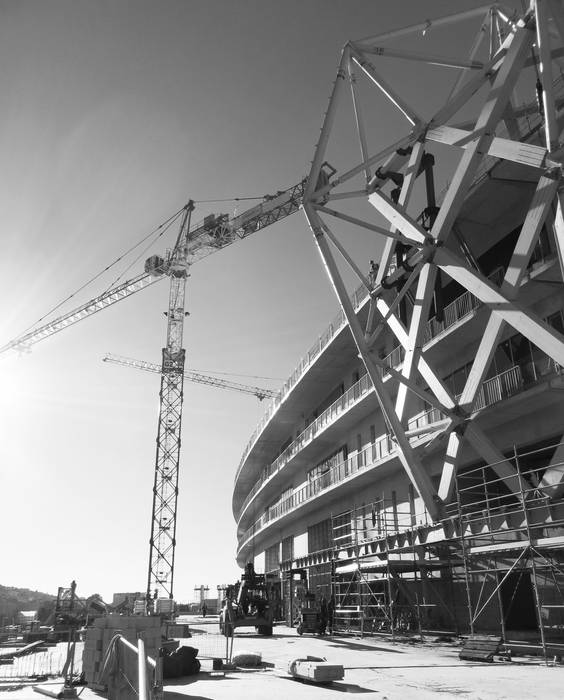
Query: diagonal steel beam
[
  {"x": 479, "y": 441},
  {"x": 557, "y": 223},
  {"x": 538, "y": 211},
  {"x": 516, "y": 315},
  {"x": 484, "y": 132},
  {"x": 411, "y": 464},
  {"x": 368, "y": 69},
  {"x": 408, "y": 184},
  {"x": 327, "y": 126},
  {"x": 545, "y": 69}
]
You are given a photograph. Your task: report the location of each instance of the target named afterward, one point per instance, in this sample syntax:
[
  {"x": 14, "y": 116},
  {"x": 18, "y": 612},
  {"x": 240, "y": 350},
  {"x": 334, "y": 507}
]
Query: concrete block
[{"x": 316, "y": 670}]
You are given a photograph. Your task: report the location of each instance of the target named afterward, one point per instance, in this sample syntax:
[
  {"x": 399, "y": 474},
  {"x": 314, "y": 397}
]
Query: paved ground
[{"x": 373, "y": 667}]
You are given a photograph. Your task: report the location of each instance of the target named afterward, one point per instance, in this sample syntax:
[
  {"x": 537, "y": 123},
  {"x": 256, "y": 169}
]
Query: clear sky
[{"x": 114, "y": 113}]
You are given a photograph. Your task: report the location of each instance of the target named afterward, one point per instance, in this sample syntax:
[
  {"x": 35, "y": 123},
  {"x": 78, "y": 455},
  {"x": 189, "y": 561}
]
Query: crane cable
[
  {"x": 161, "y": 229},
  {"x": 164, "y": 226}
]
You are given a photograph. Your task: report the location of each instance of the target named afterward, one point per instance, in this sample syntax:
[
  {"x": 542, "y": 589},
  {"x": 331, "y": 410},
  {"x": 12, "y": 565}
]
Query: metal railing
[
  {"x": 458, "y": 309},
  {"x": 330, "y": 415},
  {"x": 433, "y": 415},
  {"x": 500, "y": 387},
  {"x": 492, "y": 391},
  {"x": 119, "y": 673},
  {"x": 334, "y": 475},
  {"x": 358, "y": 297}
]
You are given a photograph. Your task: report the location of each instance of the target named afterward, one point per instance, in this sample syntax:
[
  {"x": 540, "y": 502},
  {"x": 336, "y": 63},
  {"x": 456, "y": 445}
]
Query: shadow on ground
[
  {"x": 335, "y": 686},
  {"x": 366, "y": 647}
]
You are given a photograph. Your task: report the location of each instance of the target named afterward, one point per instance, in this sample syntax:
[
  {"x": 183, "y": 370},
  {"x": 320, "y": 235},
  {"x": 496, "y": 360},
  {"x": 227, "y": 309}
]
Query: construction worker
[{"x": 323, "y": 615}]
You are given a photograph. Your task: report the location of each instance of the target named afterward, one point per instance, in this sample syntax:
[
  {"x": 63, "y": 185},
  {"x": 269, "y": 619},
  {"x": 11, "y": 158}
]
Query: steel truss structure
[
  {"x": 423, "y": 248},
  {"x": 162, "y": 544}
]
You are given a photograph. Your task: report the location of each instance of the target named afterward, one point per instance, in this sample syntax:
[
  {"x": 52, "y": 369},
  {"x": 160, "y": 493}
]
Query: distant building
[
  {"x": 27, "y": 618},
  {"x": 119, "y": 599}
]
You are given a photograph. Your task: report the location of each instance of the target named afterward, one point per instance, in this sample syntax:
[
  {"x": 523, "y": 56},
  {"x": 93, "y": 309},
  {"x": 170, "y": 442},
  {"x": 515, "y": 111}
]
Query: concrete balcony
[{"x": 382, "y": 453}]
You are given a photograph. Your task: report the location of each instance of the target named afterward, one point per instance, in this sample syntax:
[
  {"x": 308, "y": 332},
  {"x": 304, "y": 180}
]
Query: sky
[{"x": 114, "y": 114}]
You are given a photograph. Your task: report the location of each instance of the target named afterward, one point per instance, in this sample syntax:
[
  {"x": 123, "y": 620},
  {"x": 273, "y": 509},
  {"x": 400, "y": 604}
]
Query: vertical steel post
[
  {"x": 464, "y": 559},
  {"x": 531, "y": 553},
  {"x": 141, "y": 670}
]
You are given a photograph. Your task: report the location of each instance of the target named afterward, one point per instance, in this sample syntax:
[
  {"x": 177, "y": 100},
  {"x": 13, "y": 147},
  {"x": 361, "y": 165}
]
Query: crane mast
[
  {"x": 215, "y": 233},
  {"x": 160, "y": 579}
]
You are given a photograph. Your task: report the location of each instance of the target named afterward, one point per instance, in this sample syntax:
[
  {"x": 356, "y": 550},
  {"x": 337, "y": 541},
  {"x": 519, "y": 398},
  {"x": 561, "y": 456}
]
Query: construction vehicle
[
  {"x": 309, "y": 618},
  {"x": 247, "y": 604}
]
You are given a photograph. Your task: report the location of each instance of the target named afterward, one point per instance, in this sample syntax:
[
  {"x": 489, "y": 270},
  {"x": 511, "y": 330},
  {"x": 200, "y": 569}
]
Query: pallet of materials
[{"x": 480, "y": 647}]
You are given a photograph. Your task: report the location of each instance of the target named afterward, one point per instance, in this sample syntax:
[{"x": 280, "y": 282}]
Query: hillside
[{"x": 12, "y": 600}]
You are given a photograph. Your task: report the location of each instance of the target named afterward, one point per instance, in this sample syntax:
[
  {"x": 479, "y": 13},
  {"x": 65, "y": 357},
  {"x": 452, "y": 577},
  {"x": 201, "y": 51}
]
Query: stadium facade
[{"x": 412, "y": 467}]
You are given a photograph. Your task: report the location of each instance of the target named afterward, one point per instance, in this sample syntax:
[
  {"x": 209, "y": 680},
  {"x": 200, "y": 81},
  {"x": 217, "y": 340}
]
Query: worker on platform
[{"x": 373, "y": 272}]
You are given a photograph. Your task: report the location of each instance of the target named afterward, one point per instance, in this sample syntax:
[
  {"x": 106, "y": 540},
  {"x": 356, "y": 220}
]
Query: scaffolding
[
  {"x": 385, "y": 580},
  {"x": 512, "y": 547},
  {"x": 495, "y": 564}
]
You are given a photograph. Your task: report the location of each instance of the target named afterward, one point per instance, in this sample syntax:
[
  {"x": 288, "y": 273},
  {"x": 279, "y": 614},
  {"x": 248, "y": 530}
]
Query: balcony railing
[
  {"x": 493, "y": 390},
  {"x": 357, "y": 298},
  {"x": 458, "y": 309},
  {"x": 342, "y": 404},
  {"x": 461, "y": 307},
  {"x": 335, "y": 475}
]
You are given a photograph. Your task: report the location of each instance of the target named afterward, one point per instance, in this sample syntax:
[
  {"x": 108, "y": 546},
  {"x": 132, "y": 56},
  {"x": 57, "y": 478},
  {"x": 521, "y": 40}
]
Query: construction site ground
[{"x": 374, "y": 666}]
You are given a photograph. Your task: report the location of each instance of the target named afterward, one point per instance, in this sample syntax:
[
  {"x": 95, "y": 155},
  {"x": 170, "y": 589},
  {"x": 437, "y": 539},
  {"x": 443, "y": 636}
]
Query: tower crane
[
  {"x": 215, "y": 233},
  {"x": 191, "y": 376}
]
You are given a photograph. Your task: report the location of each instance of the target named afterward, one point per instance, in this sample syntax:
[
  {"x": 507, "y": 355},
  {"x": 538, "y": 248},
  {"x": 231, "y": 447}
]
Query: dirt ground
[{"x": 373, "y": 667}]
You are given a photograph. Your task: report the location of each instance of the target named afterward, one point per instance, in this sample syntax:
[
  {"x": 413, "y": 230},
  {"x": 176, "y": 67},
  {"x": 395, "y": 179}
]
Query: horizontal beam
[{"x": 515, "y": 151}]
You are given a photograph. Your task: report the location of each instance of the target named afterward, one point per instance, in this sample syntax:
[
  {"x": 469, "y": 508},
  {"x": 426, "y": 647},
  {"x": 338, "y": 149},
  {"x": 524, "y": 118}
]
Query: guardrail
[
  {"x": 493, "y": 390},
  {"x": 343, "y": 403},
  {"x": 123, "y": 682},
  {"x": 357, "y": 298}
]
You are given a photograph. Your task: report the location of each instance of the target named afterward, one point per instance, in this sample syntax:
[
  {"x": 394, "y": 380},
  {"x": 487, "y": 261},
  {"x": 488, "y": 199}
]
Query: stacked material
[
  {"x": 180, "y": 631},
  {"x": 97, "y": 641}
]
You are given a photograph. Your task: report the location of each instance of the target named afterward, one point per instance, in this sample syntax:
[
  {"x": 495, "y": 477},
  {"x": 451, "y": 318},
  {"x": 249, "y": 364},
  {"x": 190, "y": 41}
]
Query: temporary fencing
[
  {"x": 207, "y": 638},
  {"x": 50, "y": 662}
]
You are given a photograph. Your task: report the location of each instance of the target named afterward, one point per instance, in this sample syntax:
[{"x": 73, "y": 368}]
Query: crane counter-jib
[{"x": 219, "y": 230}]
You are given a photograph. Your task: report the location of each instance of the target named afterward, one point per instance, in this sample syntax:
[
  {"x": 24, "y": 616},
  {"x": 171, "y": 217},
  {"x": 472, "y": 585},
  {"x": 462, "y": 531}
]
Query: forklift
[{"x": 247, "y": 604}]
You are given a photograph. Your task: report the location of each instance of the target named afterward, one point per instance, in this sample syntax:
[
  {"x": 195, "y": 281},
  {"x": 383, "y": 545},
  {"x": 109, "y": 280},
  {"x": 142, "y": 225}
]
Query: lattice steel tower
[{"x": 165, "y": 490}]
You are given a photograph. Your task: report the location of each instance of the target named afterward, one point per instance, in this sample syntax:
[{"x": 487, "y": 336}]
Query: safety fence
[
  {"x": 40, "y": 664},
  {"x": 128, "y": 672},
  {"x": 208, "y": 639}
]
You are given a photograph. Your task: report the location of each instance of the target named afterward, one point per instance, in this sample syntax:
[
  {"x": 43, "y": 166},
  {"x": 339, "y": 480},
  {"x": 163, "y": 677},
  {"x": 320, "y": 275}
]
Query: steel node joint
[{"x": 554, "y": 172}]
